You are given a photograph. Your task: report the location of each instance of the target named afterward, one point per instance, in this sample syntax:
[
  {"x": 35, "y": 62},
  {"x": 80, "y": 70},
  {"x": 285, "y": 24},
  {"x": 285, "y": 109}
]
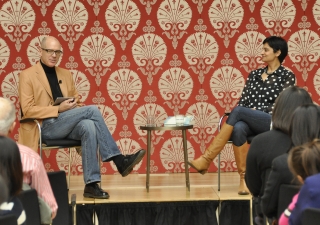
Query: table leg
[
  {"x": 219, "y": 169},
  {"x": 185, "y": 150},
  {"x": 148, "y": 158}
]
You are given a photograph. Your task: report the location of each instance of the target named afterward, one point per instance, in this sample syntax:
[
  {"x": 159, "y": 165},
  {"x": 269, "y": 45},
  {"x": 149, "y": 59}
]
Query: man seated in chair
[
  {"x": 34, "y": 174},
  {"x": 39, "y": 87}
]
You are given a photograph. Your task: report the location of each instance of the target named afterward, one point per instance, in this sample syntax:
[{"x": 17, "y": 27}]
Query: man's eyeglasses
[{"x": 50, "y": 51}]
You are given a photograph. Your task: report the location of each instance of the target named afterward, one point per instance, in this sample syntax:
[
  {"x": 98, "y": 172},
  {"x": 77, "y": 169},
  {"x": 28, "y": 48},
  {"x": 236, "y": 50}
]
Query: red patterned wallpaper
[{"x": 158, "y": 57}]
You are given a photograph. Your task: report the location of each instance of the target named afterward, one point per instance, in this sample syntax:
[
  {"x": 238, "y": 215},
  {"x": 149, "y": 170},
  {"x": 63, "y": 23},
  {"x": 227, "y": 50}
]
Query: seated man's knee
[
  {"x": 87, "y": 126},
  {"x": 94, "y": 109}
]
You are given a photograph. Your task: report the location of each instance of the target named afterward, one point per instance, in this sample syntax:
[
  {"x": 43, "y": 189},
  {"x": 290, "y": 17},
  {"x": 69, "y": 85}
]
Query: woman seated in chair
[
  {"x": 252, "y": 116},
  {"x": 268, "y": 145},
  {"x": 11, "y": 171}
]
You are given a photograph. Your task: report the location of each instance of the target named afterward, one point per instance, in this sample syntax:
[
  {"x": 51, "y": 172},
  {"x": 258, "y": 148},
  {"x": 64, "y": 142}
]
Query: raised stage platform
[{"x": 167, "y": 202}]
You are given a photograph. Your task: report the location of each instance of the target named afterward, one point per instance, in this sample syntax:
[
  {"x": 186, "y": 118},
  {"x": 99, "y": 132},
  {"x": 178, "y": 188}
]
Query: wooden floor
[{"x": 163, "y": 188}]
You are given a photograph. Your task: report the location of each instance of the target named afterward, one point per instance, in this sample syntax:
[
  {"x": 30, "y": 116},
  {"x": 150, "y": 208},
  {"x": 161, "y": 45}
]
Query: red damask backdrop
[{"x": 158, "y": 57}]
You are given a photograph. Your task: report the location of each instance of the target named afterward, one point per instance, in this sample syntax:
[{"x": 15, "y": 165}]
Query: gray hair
[{"x": 7, "y": 115}]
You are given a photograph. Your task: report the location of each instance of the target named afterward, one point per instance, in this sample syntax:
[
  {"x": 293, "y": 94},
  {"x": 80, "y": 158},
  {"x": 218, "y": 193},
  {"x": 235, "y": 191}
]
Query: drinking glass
[{"x": 150, "y": 121}]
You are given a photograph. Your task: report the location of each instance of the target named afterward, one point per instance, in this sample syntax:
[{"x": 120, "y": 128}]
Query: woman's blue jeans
[
  {"x": 247, "y": 122},
  {"x": 85, "y": 124}
]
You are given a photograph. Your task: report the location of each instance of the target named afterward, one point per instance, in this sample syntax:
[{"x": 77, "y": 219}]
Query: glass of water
[{"x": 150, "y": 121}]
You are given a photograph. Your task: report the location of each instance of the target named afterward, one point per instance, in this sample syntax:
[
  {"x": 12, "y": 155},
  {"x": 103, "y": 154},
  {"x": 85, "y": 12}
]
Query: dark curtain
[
  {"x": 164, "y": 213},
  {"x": 235, "y": 212},
  {"x": 85, "y": 214}
]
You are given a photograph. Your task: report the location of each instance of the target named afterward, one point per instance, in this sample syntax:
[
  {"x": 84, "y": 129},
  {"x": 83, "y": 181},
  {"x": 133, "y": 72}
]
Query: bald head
[
  {"x": 49, "y": 39},
  {"x": 7, "y": 116}
]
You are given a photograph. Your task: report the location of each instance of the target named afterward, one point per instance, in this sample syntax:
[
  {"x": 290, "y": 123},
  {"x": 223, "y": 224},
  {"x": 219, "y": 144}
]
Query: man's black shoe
[
  {"x": 94, "y": 191},
  {"x": 130, "y": 161}
]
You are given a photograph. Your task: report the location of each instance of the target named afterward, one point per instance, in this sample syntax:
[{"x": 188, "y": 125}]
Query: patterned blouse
[{"x": 260, "y": 94}]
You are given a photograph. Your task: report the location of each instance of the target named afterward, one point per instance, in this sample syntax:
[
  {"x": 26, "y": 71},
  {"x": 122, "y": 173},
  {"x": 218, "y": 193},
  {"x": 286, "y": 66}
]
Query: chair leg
[
  {"x": 99, "y": 160},
  {"x": 74, "y": 210},
  {"x": 69, "y": 168},
  {"x": 219, "y": 171}
]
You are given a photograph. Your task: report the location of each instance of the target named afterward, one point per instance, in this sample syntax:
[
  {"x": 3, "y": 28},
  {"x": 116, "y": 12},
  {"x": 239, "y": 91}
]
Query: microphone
[{"x": 60, "y": 81}]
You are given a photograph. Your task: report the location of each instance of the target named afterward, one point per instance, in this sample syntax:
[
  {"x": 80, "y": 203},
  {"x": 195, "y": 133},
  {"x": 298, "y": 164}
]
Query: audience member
[
  {"x": 303, "y": 161},
  {"x": 34, "y": 173},
  {"x": 268, "y": 145},
  {"x": 252, "y": 116},
  {"x": 11, "y": 171},
  {"x": 4, "y": 191},
  {"x": 39, "y": 87},
  {"x": 304, "y": 127}
]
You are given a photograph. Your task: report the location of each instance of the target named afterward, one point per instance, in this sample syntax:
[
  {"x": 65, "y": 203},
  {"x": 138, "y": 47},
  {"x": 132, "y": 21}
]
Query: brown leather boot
[
  {"x": 202, "y": 163},
  {"x": 240, "y": 155}
]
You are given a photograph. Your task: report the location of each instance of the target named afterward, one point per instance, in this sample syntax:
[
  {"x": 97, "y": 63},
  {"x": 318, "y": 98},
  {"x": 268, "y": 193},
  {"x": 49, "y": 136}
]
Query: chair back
[
  {"x": 311, "y": 216},
  {"x": 286, "y": 193},
  {"x": 30, "y": 203},
  {"x": 8, "y": 220},
  {"x": 59, "y": 187}
]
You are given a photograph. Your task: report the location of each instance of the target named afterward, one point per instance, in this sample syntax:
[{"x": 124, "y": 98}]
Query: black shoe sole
[
  {"x": 89, "y": 195},
  {"x": 135, "y": 162}
]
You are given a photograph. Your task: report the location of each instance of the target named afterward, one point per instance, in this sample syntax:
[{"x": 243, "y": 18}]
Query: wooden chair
[
  {"x": 30, "y": 203},
  {"x": 48, "y": 144},
  {"x": 311, "y": 216}
]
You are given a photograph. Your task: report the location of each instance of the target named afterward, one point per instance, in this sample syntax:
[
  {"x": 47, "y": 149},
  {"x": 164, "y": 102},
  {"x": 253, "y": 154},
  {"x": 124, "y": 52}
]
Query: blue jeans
[
  {"x": 85, "y": 124},
  {"x": 247, "y": 122}
]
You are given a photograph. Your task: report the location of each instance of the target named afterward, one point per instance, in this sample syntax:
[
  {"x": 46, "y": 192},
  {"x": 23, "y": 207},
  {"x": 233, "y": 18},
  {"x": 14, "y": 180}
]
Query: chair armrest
[
  {"x": 226, "y": 114},
  {"x": 28, "y": 120}
]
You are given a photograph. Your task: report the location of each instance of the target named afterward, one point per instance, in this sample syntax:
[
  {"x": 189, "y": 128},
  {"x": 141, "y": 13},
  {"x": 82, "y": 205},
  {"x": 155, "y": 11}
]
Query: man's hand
[{"x": 67, "y": 105}]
